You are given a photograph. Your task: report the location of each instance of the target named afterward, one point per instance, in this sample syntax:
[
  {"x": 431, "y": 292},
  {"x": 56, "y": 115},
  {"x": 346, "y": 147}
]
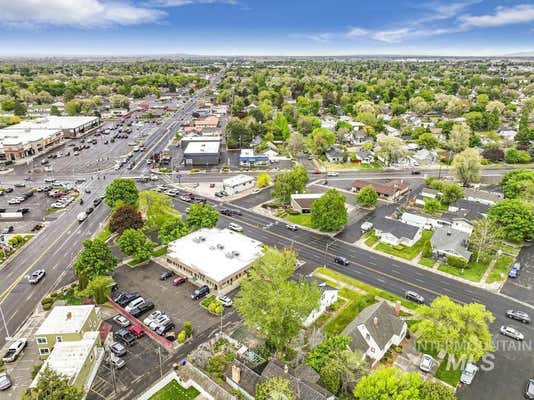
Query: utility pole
[
  {"x": 8, "y": 337},
  {"x": 160, "y": 363}
]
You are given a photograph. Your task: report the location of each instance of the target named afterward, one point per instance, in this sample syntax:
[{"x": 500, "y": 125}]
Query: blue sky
[{"x": 270, "y": 27}]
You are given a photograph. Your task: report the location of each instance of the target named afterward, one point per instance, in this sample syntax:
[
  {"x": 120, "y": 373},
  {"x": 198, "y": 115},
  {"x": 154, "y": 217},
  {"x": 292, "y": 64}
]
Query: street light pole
[
  {"x": 326, "y": 251},
  {"x": 5, "y": 324}
]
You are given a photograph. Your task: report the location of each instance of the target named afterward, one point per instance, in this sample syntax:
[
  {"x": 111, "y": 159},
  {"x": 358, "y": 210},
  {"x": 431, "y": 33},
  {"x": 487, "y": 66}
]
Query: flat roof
[
  {"x": 215, "y": 253},
  {"x": 55, "y": 122},
  {"x": 237, "y": 180},
  {"x": 12, "y": 136},
  {"x": 65, "y": 319},
  {"x": 206, "y": 147},
  {"x": 67, "y": 358}
]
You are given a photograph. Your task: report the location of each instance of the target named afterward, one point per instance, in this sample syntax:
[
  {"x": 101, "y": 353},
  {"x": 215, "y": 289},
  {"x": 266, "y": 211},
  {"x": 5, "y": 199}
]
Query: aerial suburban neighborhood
[{"x": 266, "y": 214}]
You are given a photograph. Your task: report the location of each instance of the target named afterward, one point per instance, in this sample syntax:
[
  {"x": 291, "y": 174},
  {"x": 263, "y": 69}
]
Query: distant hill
[{"x": 522, "y": 54}]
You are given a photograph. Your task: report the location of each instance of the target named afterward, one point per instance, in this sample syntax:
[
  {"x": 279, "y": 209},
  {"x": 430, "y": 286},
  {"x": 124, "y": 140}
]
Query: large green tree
[
  {"x": 517, "y": 183},
  {"x": 428, "y": 141},
  {"x": 125, "y": 217},
  {"x": 367, "y": 196},
  {"x": 390, "y": 149},
  {"x": 486, "y": 238},
  {"x": 202, "y": 216},
  {"x": 172, "y": 229},
  {"x": 271, "y": 302},
  {"x": 275, "y": 388},
  {"x": 320, "y": 140},
  {"x": 135, "y": 243},
  {"x": 156, "y": 208},
  {"x": 288, "y": 183},
  {"x": 459, "y": 329},
  {"x": 121, "y": 191},
  {"x": 516, "y": 217},
  {"x": 328, "y": 212},
  {"x": 459, "y": 137},
  {"x": 466, "y": 166},
  {"x": 99, "y": 288},
  {"x": 53, "y": 386},
  {"x": 389, "y": 383},
  {"x": 95, "y": 259}
]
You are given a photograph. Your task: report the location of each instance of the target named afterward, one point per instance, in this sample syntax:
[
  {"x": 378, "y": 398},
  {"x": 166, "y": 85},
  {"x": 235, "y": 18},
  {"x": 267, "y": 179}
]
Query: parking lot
[
  {"x": 175, "y": 301},
  {"x": 521, "y": 287}
]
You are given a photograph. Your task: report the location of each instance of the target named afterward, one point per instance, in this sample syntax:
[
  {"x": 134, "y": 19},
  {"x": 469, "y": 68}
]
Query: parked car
[
  {"x": 367, "y": 226},
  {"x": 200, "y": 292},
  {"x": 5, "y": 381},
  {"x": 36, "y": 276},
  {"x": 136, "y": 330},
  {"x": 118, "y": 349},
  {"x": 122, "y": 321},
  {"x": 89, "y": 210},
  {"x": 179, "y": 280},
  {"x": 127, "y": 298},
  {"x": 8, "y": 189},
  {"x": 518, "y": 316},
  {"x": 97, "y": 201},
  {"x": 134, "y": 303},
  {"x": 115, "y": 361},
  {"x": 468, "y": 374},
  {"x": 511, "y": 332},
  {"x": 414, "y": 296},
  {"x": 426, "y": 363},
  {"x": 14, "y": 350},
  {"x": 142, "y": 308},
  {"x": 514, "y": 273},
  {"x": 14, "y": 201},
  {"x": 164, "y": 327},
  {"x": 341, "y": 260},
  {"x": 20, "y": 184},
  {"x": 157, "y": 321},
  {"x": 24, "y": 210},
  {"x": 225, "y": 300},
  {"x": 124, "y": 336},
  {"x": 332, "y": 173},
  {"x": 151, "y": 317},
  {"x": 165, "y": 275},
  {"x": 235, "y": 227},
  {"x": 292, "y": 227},
  {"x": 529, "y": 389}
]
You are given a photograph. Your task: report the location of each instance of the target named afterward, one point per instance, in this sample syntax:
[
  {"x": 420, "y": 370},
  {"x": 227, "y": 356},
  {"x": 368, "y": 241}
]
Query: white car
[
  {"x": 151, "y": 317},
  {"x": 225, "y": 301},
  {"x": 426, "y": 363},
  {"x": 58, "y": 205},
  {"x": 235, "y": 227},
  {"x": 117, "y": 362},
  {"x": 511, "y": 332},
  {"x": 367, "y": 226},
  {"x": 332, "y": 173},
  {"x": 14, "y": 201},
  {"x": 156, "y": 322},
  {"x": 468, "y": 374},
  {"x": 122, "y": 321}
]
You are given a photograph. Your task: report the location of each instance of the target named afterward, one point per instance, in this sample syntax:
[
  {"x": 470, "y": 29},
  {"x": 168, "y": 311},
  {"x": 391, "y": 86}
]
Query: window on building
[
  {"x": 59, "y": 339},
  {"x": 44, "y": 351},
  {"x": 41, "y": 340}
]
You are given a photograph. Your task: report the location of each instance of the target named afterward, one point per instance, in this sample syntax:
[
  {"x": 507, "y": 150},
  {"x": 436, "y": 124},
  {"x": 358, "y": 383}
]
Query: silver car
[
  {"x": 468, "y": 374},
  {"x": 5, "y": 381},
  {"x": 511, "y": 332},
  {"x": 426, "y": 363}
]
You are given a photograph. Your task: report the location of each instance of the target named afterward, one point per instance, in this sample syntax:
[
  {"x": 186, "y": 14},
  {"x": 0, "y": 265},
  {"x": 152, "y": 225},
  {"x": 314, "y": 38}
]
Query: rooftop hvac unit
[
  {"x": 220, "y": 246},
  {"x": 235, "y": 253},
  {"x": 230, "y": 255}
]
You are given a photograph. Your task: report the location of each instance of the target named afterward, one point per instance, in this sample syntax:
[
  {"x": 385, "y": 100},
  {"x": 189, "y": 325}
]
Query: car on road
[
  {"x": 414, "y": 296},
  {"x": 468, "y": 374},
  {"x": 165, "y": 275},
  {"x": 316, "y": 172},
  {"x": 529, "y": 389},
  {"x": 24, "y": 210},
  {"x": 5, "y": 381},
  {"x": 179, "y": 280},
  {"x": 511, "y": 332},
  {"x": 200, "y": 292},
  {"x": 426, "y": 363},
  {"x": 97, "y": 201},
  {"x": 416, "y": 172},
  {"x": 142, "y": 308},
  {"x": 292, "y": 227},
  {"x": 124, "y": 336},
  {"x": 235, "y": 227},
  {"x": 20, "y": 184},
  {"x": 14, "y": 350},
  {"x": 332, "y": 173},
  {"x": 8, "y": 229},
  {"x": 115, "y": 361},
  {"x": 152, "y": 317},
  {"x": 518, "y": 316},
  {"x": 89, "y": 210},
  {"x": 122, "y": 321},
  {"x": 136, "y": 330},
  {"x": 36, "y": 276},
  {"x": 225, "y": 301},
  {"x": 219, "y": 194},
  {"x": 341, "y": 260},
  {"x": 118, "y": 349}
]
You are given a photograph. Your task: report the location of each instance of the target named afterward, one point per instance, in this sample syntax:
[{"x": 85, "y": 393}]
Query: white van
[
  {"x": 134, "y": 303},
  {"x": 235, "y": 227}
]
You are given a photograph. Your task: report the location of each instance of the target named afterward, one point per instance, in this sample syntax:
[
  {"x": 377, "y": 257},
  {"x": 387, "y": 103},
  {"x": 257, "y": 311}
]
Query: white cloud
[
  {"x": 82, "y": 13},
  {"x": 179, "y": 3},
  {"x": 356, "y": 32},
  {"x": 520, "y": 14}
]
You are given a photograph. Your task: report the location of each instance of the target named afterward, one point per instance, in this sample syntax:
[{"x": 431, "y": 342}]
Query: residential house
[
  {"x": 386, "y": 190},
  {"x": 426, "y": 193},
  {"x": 507, "y": 133},
  {"x": 247, "y": 157},
  {"x": 482, "y": 196},
  {"x": 425, "y": 157},
  {"x": 335, "y": 155},
  {"x": 395, "y": 232},
  {"x": 209, "y": 122},
  {"x": 302, "y": 202},
  {"x": 376, "y": 329},
  {"x": 360, "y": 137},
  {"x": 392, "y": 131},
  {"x": 303, "y": 381},
  {"x": 65, "y": 324},
  {"x": 431, "y": 222},
  {"x": 448, "y": 241},
  {"x": 468, "y": 210},
  {"x": 329, "y": 296},
  {"x": 365, "y": 156}
]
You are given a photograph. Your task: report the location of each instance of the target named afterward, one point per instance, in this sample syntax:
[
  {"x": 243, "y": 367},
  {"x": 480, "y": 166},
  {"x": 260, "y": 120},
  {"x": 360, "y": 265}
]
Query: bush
[
  {"x": 35, "y": 370},
  {"x": 47, "y": 306},
  {"x": 182, "y": 336},
  {"x": 456, "y": 262},
  {"x": 47, "y": 300},
  {"x": 427, "y": 249},
  {"x": 188, "y": 328},
  {"x": 215, "y": 307}
]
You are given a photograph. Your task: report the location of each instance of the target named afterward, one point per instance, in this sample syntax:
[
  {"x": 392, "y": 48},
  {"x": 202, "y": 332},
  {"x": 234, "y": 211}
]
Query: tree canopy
[
  {"x": 53, "y": 386},
  {"x": 135, "y": 243},
  {"x": 288, "y": 183},
  {"x": 172, "y": 229},
  {"x": 95, "y": 259},
  {"x": 328, "y": 212},
  {"x": 121, "y": 191},
  {"x": 367, "y": 196},
  {"x": 516, "y": 218},
  {"x": 202, "y": 216},
  {"x": 125, "y": 217}
]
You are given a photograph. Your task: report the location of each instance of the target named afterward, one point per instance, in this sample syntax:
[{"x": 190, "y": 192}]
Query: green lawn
[
  {"x": 511, "y": 250},
  {"x": 370, "y": 238},
  {"x": 408, "y": 253},
  {"x": 336, "y": 276},
  {"x": 448, "y": 375},
  {"x": 427, "y": 262},
  {"x": 357, "y": 302},
  {"x": 472, "y": 272},
  {"x": 500, "y": 270},
  {"x": 174, "y": 391},
  {"x": 104, "y": 234},
  {"x": 159, "y": 251},
  {"x": 300, "y": 219}
]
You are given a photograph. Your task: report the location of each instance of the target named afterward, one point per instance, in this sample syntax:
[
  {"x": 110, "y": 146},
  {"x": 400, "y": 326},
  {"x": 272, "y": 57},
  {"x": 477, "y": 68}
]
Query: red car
[
  {"x": 136, "y": 330},
  {"x": 316, "y": 172},
  {"x": 179, "y": 280},
  {"x": 212, "y": 185}
]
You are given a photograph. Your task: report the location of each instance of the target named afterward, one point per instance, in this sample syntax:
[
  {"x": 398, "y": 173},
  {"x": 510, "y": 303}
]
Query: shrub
[
  {"x": 47, "y": 300},
  {"x": 47, "y": 306},
  {"x": 215, "y": 307},
  {"x": 456, "y": 262},
  {"x": 182, "y": 336},
  {"x": 35, "y": 370},
  {"x": 427, "y": 249},
  {"x": 188, "y": 328}
]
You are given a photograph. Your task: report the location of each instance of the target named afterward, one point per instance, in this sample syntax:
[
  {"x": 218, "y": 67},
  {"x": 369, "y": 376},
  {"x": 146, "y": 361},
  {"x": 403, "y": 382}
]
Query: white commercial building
[
  {"x": 71, "y": 126},
  {"x": 202, "y": 153},
  {"x": 214, "y": 257},
  {"x": 238, "y": 183},
  {"x": 18, "y": 144}
]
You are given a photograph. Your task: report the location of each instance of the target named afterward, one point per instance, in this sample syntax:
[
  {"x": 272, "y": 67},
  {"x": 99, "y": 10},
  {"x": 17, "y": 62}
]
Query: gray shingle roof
[
  {"x": 397, "y": 228},
  {"x": 451, "y": 241}
]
